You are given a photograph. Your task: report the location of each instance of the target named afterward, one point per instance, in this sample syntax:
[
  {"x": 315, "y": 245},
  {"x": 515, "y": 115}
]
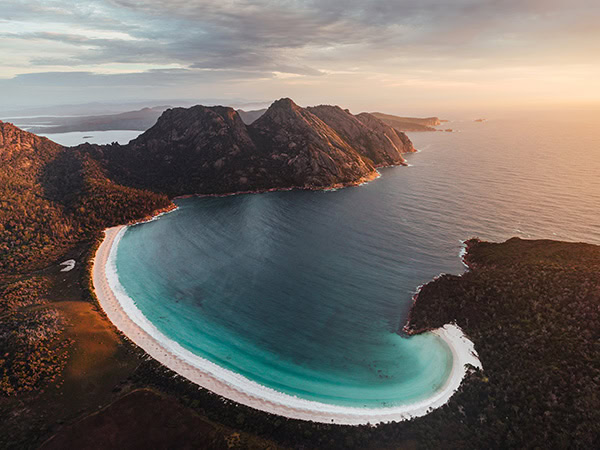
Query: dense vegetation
[
  {"x": 23, "y": 293},
  {"x": 31, "y": 225},
  {"x": 52, "y": 197},
  {"x": 30, "y": 355},
  {"x": 531, "y": 307},
  {"x": 533, "y": 310}
]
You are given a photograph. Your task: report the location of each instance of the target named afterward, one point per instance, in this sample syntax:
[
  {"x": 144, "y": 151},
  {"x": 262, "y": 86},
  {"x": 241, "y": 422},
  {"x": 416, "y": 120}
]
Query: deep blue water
[{"x": 305, "y": 292}]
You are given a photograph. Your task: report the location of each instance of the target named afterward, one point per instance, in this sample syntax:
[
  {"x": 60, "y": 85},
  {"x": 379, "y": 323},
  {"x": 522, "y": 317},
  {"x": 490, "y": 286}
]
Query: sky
[{"x": 397, "y": 56}]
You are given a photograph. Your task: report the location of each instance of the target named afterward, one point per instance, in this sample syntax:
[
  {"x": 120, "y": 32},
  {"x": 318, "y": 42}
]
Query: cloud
[
  {"x": 285, "y": 36},
  {"x": 150, "y": 78},
  {"x": 245, "y": 40}
]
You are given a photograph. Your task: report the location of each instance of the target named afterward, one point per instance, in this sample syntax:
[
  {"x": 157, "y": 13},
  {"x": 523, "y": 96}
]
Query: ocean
[
  {"x": 306, "y": 292},
  {"x": 74, "y": 138}
]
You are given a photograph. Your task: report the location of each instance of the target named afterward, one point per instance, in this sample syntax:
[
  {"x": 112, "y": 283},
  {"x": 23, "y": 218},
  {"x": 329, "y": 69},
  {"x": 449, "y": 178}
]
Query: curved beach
[{"x": 122, "y": 311}]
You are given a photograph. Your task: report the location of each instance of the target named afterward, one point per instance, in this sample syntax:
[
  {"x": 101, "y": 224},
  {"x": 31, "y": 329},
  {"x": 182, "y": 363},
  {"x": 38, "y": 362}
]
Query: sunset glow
[{"x": 395, "y": 55}]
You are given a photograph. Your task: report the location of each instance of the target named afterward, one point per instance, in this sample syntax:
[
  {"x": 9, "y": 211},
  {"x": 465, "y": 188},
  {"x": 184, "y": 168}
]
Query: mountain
[
  {"x": 210, "y": 150},
  {"x": 409, "y": 123},
  {"x": 250, "y": 116},
  {"x": 50, "y": 197},
  {"x": 312, "y": 153},
  {"x": 29, "y": 222},
  {"x": 399, "y": 141},
  {"x": 189, "y": 150},
  {"x": 373, "y": 139}
]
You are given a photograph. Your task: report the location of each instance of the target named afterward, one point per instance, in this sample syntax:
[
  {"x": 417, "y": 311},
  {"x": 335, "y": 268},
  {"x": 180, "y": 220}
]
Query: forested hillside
[
  {"x": 51, "y": 197},
  {"x": 533, "y": 310}
]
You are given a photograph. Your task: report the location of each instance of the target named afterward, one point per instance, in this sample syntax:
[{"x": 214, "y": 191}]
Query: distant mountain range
[
  {"x": 132, "y": 120},
  {"x": 250, "y": 116},
  {"x": 142, "y": 119},
  {"x": 51, "y": 196}
]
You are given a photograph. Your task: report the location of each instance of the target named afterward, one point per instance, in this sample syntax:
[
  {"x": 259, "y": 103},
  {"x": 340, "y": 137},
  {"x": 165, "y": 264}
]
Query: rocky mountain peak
[
  {"x": 196, "y": 128},
  {"x": 283, "y": 112},
  {"x": 284, "y": 103}
]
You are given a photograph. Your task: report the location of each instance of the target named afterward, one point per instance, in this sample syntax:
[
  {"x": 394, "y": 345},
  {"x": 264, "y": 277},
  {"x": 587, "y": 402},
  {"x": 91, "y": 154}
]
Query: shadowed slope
[{"x": 372, "y": 138}]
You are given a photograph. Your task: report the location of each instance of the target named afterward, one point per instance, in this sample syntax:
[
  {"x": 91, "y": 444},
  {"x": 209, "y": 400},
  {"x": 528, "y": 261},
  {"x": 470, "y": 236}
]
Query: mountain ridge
[
  {"x": 52, "y": 196},
  {"x": 210, "y": 150},
  {"x": 373, "y": 139}
]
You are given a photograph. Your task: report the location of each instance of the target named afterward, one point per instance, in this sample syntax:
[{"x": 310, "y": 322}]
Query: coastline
[
  {"x": 123, "y": 313},
  {"x": 334, "y": 187}
]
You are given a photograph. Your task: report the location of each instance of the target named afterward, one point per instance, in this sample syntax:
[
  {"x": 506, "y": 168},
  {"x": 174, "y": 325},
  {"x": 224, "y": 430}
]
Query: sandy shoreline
[{"x": 122, "y": 311}]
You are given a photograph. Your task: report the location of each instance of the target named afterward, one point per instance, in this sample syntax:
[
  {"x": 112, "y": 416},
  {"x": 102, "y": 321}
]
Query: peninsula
[{"x": 67, "y": 373}]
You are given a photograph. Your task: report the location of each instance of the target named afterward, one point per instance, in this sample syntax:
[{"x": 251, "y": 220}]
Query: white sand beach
[{"x": 122, "y": 311}]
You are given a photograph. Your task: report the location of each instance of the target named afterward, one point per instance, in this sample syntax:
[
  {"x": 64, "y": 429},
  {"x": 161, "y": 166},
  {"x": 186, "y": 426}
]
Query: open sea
[{"x": 306, "y": 292}]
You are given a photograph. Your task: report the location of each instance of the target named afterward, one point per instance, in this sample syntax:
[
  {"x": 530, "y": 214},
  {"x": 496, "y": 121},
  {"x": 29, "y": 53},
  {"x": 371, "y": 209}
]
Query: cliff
[
  {"x": 398, "y": 139},
  {"x": 372, "y": 138},
  {"x": 312, "y": 153},
  {"x": 188, "y": 150}
]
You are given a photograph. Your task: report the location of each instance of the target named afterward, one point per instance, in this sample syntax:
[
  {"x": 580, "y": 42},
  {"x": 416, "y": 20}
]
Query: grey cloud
[
  {"x": 228, "y": 41},
  {"x": 159, "y": 77},
  {"x": 286, "y": 36},
  {"x": 34, "y": 89}
]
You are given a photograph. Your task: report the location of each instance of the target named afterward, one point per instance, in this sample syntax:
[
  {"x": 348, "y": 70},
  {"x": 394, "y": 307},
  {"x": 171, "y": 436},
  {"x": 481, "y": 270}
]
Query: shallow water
[{"x": 305, "y": 292}]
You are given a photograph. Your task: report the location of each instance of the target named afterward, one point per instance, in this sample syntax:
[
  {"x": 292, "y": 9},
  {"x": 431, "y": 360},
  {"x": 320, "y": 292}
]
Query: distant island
[{"x": 409, "y": 123}]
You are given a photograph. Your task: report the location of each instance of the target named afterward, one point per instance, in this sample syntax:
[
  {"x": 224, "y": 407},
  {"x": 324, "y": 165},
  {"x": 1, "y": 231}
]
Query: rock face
[
  {"x": 188, "y": 150},
  {"x": 210, "y": 150},
  {"x": 313, "y": 154},
  {"x": 397, "y": 138},
  {"x": 372, "y": 138}
]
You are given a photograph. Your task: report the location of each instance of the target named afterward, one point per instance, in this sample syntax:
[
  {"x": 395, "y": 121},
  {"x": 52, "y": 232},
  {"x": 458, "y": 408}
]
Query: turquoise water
[{"x": 305, "y": 292}]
